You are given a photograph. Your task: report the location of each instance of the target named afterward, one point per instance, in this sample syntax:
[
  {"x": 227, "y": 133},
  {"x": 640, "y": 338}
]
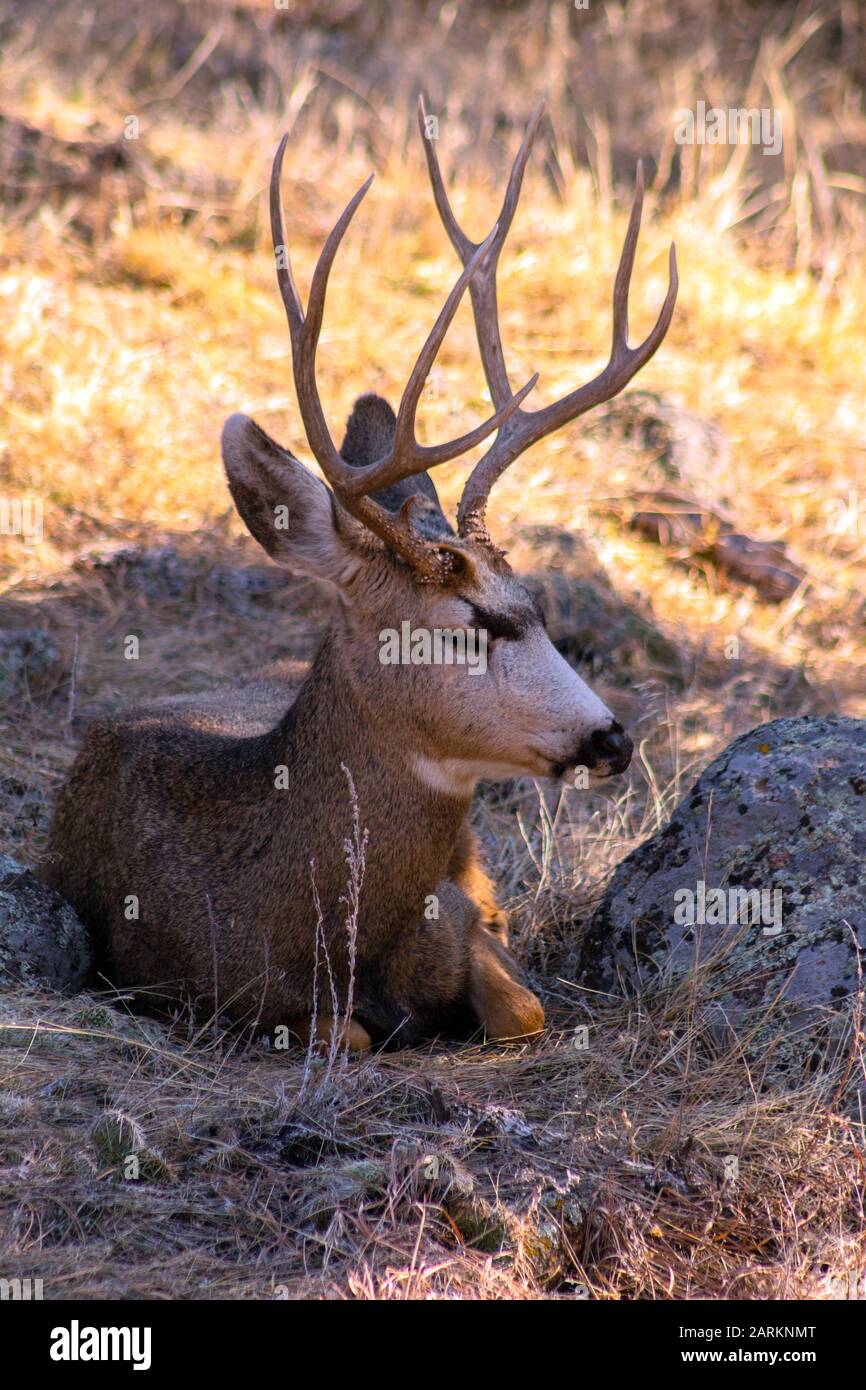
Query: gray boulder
[
  {"x": 42, "y": 942},
  {"x": 761, "y": 871}
]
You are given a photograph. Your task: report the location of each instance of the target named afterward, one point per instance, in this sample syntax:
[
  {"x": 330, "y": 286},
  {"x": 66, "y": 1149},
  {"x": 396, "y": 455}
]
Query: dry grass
[
  {"x": 131, "y": 329},
  {"x": 468, "y": 1172}
]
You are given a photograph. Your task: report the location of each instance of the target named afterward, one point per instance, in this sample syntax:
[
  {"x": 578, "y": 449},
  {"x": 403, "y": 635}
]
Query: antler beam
[
  {"x": 523, "y": 428},
  {"x": 406, "y": 457}
]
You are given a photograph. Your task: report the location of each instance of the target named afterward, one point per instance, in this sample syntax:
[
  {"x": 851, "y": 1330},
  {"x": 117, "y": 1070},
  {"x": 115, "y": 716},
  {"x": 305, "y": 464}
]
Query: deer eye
[{"x": 496, "y": 626}]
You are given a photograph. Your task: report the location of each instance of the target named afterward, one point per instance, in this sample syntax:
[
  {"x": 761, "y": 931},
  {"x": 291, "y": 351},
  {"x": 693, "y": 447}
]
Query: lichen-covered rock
[
  {"x": 762, "y": 868},
  {"x": 42, "y": 942}
]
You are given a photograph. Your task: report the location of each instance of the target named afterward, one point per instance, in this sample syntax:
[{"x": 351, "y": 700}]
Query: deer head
[{"x": 378, "y": 535}]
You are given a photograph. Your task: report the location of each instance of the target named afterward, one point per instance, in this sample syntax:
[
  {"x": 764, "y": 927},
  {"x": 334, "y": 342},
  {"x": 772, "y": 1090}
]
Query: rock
[
  {"x": 163, "y": 572},
  {"x": 686, "y": 449},
  {"x": 42, "y": 941},
  {"x": 557, "y": 1223},
  {"x": 779, "y": 820},
  {"x": 28, "y": 658}
]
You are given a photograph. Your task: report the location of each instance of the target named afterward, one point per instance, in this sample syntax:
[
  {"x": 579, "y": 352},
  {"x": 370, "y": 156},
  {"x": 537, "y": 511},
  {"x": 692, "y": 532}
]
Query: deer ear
[{"x": 285, "y": 507}]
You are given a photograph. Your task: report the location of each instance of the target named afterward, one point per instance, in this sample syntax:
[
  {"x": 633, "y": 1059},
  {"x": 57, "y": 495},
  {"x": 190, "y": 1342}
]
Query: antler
[
  {"x": 524, "y": 427},
  {"x": 352, "y": 485}
]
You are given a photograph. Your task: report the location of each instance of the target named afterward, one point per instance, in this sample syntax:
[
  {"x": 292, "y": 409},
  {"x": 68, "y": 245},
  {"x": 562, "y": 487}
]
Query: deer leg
[
  {"x": 351, "y": 1034},
  {"x": 455, "y": 970},
  {"x": 468, "y": 872},
  {"x": 418, "y": 988},
  {"x": 503, "y": 1006}
]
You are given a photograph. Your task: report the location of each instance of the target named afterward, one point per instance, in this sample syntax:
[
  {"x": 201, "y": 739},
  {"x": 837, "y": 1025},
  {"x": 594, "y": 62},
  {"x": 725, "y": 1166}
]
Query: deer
[{"x": 239, "y": 874}]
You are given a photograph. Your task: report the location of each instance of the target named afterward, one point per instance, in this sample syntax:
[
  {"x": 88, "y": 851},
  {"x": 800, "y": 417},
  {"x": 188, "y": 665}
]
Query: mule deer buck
[{"x": 180, "y": 804}]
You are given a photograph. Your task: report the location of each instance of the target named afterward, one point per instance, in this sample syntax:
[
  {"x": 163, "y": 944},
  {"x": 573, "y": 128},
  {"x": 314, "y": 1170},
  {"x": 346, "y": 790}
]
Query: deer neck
[{"x": 413, "y": 820}]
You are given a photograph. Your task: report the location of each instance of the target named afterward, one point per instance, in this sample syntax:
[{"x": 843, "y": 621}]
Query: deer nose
[{"x": 609, "y": 750}]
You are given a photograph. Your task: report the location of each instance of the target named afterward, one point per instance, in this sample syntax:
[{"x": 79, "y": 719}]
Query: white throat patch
[{"x": 457, "y": 776}]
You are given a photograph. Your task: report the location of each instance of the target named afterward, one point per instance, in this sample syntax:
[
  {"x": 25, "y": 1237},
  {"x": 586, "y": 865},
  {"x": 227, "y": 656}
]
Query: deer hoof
[
  {"x": 352, "y": 1035},
  {"x": 356, "y": 1037},
  {"x": 515, "y": 1013}
]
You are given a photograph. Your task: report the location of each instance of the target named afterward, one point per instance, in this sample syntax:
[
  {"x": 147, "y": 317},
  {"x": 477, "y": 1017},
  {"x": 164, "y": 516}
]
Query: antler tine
[
  {"x": 404, "y": 440},
  {"x": 285, "y": 279},
  {"x": 526, "y": 427},
  {"x": 463, "y": 244},
  {"x": 483, "y": 288},
  {"x": 406, "y": 457},
  {"x": 304, "y": 329},
  {"x": 352, "y": 485},
  {"x": 459, "y": 240}
]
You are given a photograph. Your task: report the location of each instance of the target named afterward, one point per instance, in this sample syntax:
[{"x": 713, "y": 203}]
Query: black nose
[{"x": 612, "y": 747}]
